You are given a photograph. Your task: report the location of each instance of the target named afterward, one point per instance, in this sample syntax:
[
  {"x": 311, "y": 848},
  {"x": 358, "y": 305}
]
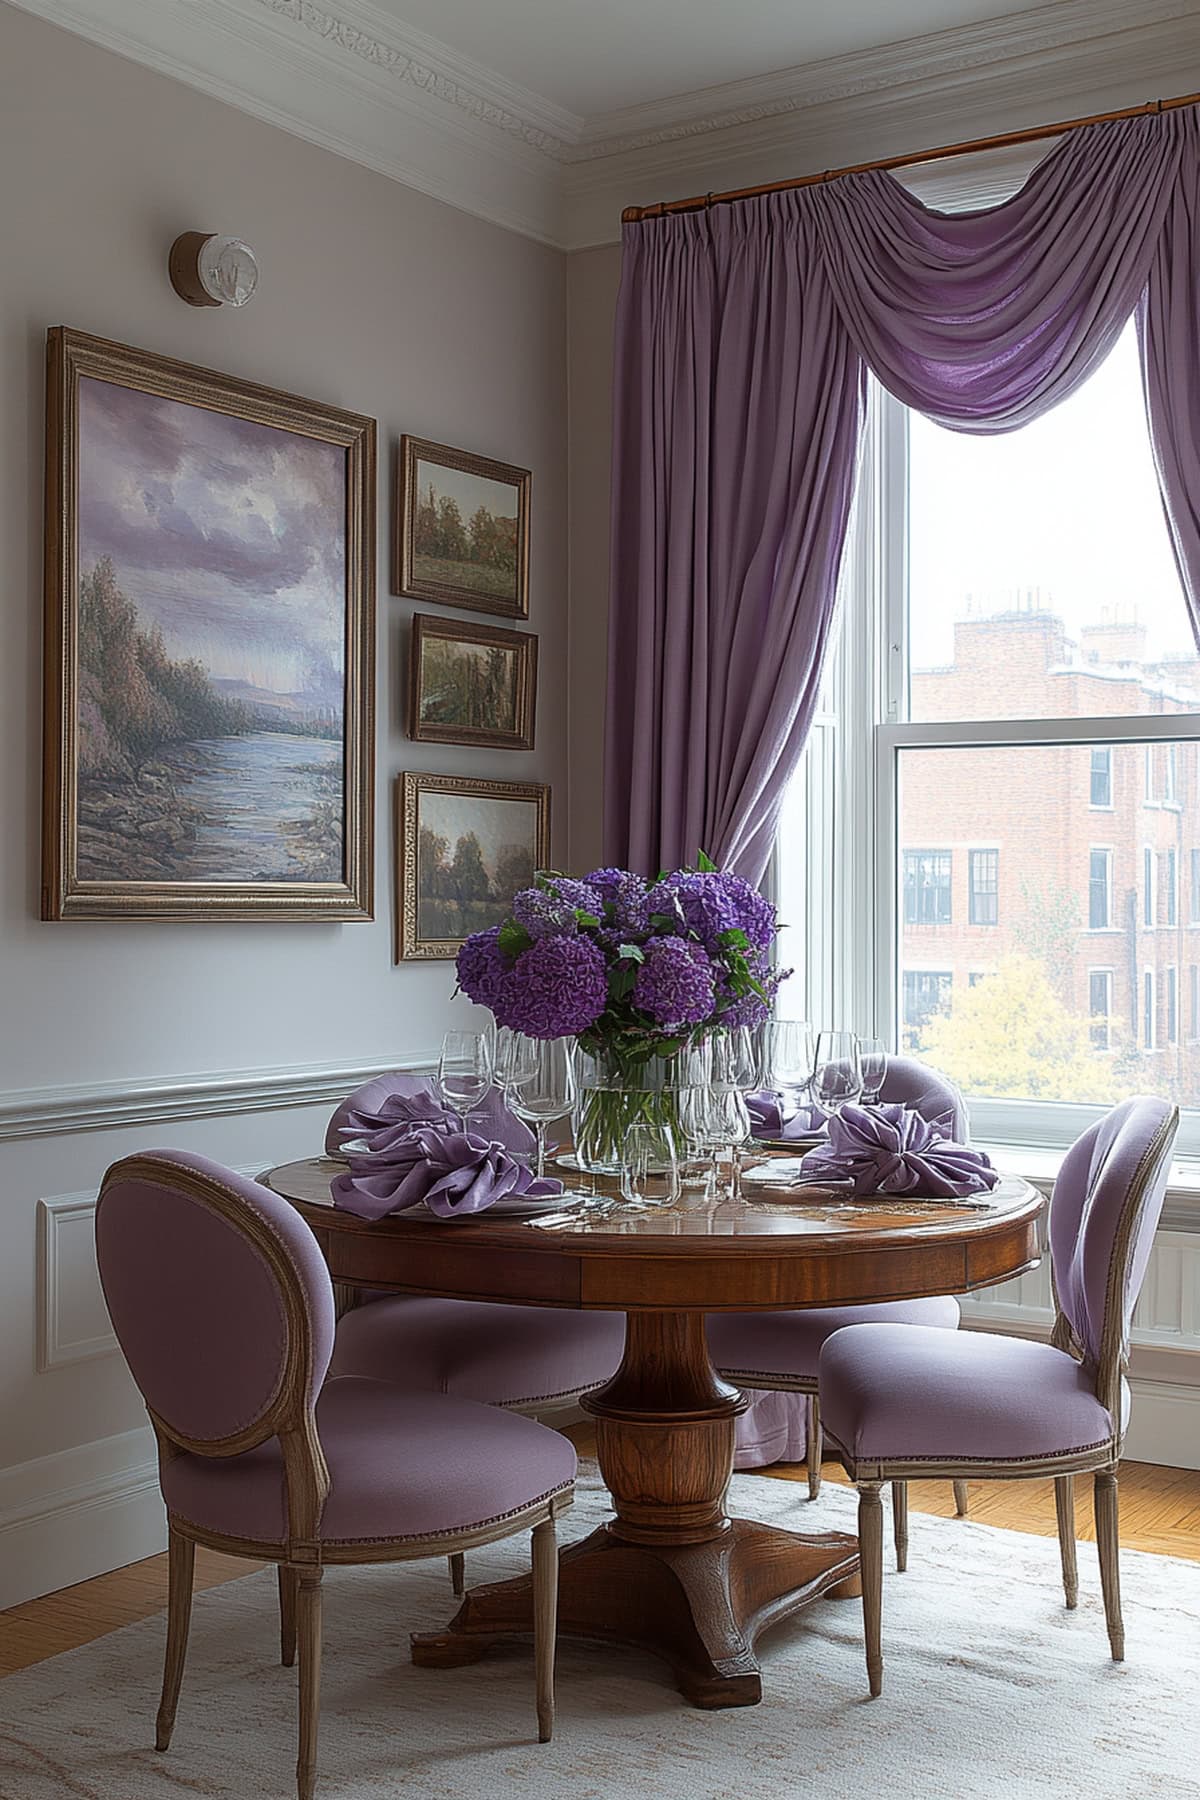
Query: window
[
  {"x": 1171, "y": 883},
  {"x": 1149, "y": 890},
  {"x": 927, "y": 887},
  {"x": 1099, "y": 889},
  {"x": 1172, "y": 984},
  {"x": 985, "y": 887},
  {"x": 1100, "y": 1007},
  {"x": 1012, "y": 640},
  {"x": 926, "y": 994},
  {"x": 1194, "y": 1002},
  {"x": 1101, "y": 776}
]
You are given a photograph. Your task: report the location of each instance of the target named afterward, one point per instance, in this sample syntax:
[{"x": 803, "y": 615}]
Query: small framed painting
[
  {"x": 210, "y": 628},
  {"x": 464, "y": 848},
  {"x": 462, "y": 529},
  {"x": 471, "y": 684}
]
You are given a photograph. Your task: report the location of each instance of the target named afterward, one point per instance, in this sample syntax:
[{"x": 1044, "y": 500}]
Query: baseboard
[
  {"x": 79, "y": 1513},
  {"x": 1164, "y": 1424}
]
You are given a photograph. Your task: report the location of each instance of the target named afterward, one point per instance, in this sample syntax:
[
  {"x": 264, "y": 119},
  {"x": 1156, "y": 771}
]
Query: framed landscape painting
[
  {"x": 471, "y": 684},
  {"x": 462, "y": 529},
  {"x": 210, "y": 600},
  {"x": 464, "y": 848}
]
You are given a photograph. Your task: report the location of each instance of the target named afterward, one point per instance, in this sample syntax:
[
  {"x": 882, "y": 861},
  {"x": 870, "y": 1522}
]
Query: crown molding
[{"x": 351, "y": 78}]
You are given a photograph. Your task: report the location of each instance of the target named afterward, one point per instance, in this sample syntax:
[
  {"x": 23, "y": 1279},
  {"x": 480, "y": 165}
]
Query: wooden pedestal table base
[{"x": 671, "y": 1573}]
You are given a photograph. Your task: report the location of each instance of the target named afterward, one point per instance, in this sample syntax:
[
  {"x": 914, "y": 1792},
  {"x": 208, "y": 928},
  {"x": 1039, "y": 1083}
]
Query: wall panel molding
[{"x": 158, "y": 1100}]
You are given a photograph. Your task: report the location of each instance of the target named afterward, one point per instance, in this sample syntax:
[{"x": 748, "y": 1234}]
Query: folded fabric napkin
[
  {"x": 767, "y": 1120},
  {"x": 887, "y": 1149},
  {"x": 400, "y": 1102},
  {"x": 453, "y": 1171}
]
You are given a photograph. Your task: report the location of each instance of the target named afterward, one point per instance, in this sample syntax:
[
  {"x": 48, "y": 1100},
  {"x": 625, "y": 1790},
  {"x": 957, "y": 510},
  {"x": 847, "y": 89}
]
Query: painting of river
[{"x": 211, "y": 633}]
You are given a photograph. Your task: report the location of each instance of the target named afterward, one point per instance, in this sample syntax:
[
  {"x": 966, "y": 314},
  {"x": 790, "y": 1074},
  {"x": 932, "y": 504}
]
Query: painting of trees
[
  {"x": 464, "y": 536},
  {"x": 473, "y": 849}
]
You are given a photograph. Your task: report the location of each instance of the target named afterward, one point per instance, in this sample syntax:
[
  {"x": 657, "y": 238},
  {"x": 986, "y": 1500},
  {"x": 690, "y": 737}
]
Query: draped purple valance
[{"x": 743, "y": 338}]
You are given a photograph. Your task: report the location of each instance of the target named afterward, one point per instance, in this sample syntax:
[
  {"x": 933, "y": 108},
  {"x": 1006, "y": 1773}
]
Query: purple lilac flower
[
  {"x": 483, "y": 969},
  {"x": 714, "y": 902},
  {"x": 556, "y": 988},
  {"x": 550, "y": 911},
  {"x": 675, "y": 983},
  {"x": 628, "y": 897}
]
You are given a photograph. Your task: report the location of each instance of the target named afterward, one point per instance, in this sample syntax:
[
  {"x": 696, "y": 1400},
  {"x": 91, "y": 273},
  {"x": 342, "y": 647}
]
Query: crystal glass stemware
[
  {"x": 464, "y": 1071},
  {"x": 837, "y": 1077},
  {"x": 872, "y": 1060},
  {"x": 649, "y": 1165},
  {"x": 540, "y": 1085},
  {"x": 788, "y": 1059}
]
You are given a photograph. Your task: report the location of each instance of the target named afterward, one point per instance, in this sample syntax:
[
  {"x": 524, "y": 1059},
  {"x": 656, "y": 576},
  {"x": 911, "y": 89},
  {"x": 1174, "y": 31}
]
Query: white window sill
[{"x": 1040, "y": 1165}]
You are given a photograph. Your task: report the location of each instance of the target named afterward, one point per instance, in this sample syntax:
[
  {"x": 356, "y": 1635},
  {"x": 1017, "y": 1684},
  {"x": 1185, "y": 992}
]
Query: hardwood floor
[{"x": 1160, "y": 1512}]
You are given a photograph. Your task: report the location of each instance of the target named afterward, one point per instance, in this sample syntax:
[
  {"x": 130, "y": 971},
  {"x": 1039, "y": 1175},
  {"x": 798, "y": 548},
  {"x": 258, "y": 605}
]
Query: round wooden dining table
[{"x": 670, "y": 1571}]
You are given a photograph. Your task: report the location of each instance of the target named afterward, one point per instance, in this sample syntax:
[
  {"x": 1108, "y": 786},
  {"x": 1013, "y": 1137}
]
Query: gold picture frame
[
  {"x": 456, "y": 542},
  {"x": 209, "y": 719},
  {"x": 471, "y": 684},
  {"x": 463, "y": 847}
]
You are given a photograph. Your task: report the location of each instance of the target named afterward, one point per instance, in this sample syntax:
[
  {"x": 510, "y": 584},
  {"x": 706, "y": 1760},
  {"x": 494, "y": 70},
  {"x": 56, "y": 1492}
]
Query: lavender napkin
[
  {"x": 453, "y": 1171},
  {"x": 887, "y": 1149},
  {"x": 767, "y": 1120},
  {"x": 399, "y": 1102}
]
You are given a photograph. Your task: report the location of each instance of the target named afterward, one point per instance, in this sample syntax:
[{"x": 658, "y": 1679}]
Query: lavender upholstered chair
[
  {"x": 223, "y": 1306},
  {"x": 899, "y": 1402},
  {"x": 780, "y": 1350}
]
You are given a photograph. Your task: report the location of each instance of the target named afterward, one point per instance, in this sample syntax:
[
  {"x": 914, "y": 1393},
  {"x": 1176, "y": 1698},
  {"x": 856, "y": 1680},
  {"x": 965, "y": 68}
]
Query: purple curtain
[
  {"x": 743, "y": 335},
  {"x": 742, "y": 339}
]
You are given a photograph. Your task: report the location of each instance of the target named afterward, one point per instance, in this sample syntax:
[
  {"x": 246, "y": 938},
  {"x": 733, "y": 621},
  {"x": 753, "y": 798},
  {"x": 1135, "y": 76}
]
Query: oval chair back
[
  {"x": 223, "y": 1307},
  {"x": 907, "y": 1082},
  {"x": 1104, "y": 1211}
]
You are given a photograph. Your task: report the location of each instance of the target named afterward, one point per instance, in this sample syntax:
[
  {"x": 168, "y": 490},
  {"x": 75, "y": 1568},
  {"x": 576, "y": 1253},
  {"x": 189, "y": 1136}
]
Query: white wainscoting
[
  {"x": 1165, "y": 1423},
  {"x": 72, "y": 1319}
]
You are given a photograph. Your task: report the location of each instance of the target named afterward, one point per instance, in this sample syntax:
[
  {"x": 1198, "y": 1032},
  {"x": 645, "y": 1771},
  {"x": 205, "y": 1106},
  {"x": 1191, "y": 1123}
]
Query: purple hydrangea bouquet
[{"x": 636, "y": 972}]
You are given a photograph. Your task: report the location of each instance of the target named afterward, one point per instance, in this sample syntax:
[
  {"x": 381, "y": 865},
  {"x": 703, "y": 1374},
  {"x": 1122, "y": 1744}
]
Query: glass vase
[{"x": 614, "y": 1092}]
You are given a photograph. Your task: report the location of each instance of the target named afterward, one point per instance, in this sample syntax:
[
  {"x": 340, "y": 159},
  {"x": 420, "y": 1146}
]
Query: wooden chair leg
[
  {"x": 181, "y": 1563},
  {"x": 813, "y": 1435},
  {"x": 870, "y": 1550},
  {"x": 900, "y": 1523},
  {"x": 960, "y": 1499},
  {"x": 288, "y": 1579},
  {"x": 458, "y": 1575},
  {"x": 545, "y": 1623},
  {"x": 308, "y": 1623},
  {"x": 1064, "y": 1507},
  {"x": 1104, "y": 1495}
]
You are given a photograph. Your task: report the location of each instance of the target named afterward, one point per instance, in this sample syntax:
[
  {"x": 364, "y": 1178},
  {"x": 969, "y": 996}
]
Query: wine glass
[
  {"x": 872, "y": 1060},
  {"x": 789, "y": 1059},
  {"x": 649, "y": 1165},
  {"x": 540, "y": 1085},
  {"x": 464, "y": 1072},
  {"x": 837, "y": 1077}
]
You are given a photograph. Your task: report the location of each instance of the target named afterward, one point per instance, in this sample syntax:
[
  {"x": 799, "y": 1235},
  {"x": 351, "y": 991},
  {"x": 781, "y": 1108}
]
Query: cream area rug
[{"x": 990, "y": 1689}]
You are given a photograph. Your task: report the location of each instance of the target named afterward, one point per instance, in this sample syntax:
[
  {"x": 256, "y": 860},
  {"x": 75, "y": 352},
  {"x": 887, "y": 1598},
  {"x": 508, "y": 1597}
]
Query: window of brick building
[
  {"x": 985, "y": 887},
  {"x": 927, "y": 887},
  {"x": 1099, "y": 889},
  {"x": 1012, "y": 656},
  {"x": 1100, "y": 1007},
  {"x": 1101, "y": 777}
]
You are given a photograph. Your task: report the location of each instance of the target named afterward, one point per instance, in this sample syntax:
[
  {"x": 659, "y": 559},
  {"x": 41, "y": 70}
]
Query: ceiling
[{"x": 598, "y": 56}]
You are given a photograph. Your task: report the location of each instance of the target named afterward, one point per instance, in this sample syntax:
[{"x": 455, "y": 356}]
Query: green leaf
[
  {"x": 631, "y": 952},
  {"x": 513, "y": 938},
  {"x": 705, "y": 864},
  {"x": 586, "y": 918},
  {"x": 734, "y": 939}
]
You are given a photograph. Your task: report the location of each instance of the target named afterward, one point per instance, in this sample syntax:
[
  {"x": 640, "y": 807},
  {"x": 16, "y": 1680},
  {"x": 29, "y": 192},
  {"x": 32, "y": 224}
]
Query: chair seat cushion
[
  {"x": 787, "y": 1345},
  {"x": 401, "y": 1465},
  {"x": 501, "y": 1355},
  {"x": 892, "y": 1393}
]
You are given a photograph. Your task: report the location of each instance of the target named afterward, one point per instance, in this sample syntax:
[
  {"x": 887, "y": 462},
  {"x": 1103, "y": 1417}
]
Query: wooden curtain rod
[{"x": 699, "y": 202}]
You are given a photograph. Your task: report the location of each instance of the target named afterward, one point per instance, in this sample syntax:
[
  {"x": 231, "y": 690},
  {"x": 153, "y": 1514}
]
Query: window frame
[
  {"x": 1104, "y": 750},
  {"x": 1149, "y": 888},
  {"x": 1105, "y": 1017},
  {"x": 991, "y": 893}
]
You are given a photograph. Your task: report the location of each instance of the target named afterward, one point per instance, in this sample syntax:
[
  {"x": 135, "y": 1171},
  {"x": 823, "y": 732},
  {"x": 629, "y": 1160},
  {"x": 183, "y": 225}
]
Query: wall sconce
[{"x": 207, "y": 269}]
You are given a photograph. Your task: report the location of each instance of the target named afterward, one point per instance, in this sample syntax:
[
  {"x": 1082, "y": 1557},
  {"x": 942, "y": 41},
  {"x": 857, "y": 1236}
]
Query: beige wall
[
  {"x": 592, "y": 280},
  {"x": 374, "y": 298}
]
